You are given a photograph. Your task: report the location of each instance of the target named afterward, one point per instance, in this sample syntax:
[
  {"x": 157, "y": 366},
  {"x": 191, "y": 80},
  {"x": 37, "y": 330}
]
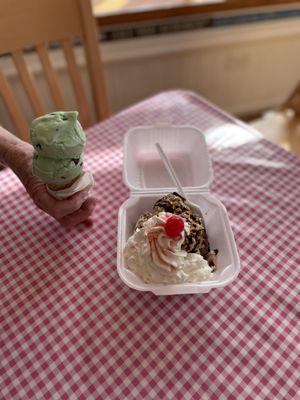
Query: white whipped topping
[{"x": 156, "y": 258}]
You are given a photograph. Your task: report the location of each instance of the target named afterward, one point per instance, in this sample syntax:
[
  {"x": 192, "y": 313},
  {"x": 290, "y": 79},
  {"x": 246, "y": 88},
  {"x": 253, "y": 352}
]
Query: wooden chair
[
  {"x": 282, "y": 125},
  {"x": 36, "y": 23},
  {"x": 292, "y": 102}
]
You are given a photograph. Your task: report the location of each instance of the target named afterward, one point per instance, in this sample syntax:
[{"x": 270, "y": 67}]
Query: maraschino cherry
[{"x": 174, "y": 226}]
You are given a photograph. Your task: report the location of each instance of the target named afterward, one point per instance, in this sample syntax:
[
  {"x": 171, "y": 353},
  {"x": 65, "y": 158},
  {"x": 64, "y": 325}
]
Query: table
[{"x": 70, "y": 329}]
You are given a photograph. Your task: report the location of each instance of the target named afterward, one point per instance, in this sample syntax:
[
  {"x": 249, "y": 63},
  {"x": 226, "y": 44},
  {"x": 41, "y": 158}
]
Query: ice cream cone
[
  {"x": 84, "y": 181},
  {"x": 59, "y": 141},
  {"x": 62, "y": 187}
]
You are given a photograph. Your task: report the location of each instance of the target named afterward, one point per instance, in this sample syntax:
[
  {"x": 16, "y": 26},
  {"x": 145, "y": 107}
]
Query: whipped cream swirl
[{"x": 157, "y": 258}]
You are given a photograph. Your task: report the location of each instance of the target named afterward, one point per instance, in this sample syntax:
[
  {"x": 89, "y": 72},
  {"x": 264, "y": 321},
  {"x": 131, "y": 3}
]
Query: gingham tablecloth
[{"x": 70, "y": 329}]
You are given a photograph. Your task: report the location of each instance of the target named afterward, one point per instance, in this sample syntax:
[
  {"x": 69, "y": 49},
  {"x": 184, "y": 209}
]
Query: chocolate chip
[
  {"x": 63, "y": 177},
  {"x": 39, "y": 146},
  {"x": 81, "y": 164},
  {"x": 57, "y": 129},
  {"x": 64, "y": 118},
  {"x": 75, "y": 160}
]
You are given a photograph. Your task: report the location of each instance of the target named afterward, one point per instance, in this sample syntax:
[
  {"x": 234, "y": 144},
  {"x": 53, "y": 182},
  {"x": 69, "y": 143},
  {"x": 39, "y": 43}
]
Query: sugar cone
[
  {"x": 84, "y": 181},
  {"x": 61, "y": 187}
]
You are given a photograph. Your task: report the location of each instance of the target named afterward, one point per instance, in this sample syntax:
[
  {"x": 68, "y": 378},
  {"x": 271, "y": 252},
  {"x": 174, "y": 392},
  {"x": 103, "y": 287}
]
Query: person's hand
[{"x": 70, "y": 212}]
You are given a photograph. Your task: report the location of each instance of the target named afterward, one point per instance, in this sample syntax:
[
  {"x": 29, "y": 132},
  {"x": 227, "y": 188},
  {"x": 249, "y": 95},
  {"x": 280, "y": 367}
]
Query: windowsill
[{"x": 176, "y": 8}]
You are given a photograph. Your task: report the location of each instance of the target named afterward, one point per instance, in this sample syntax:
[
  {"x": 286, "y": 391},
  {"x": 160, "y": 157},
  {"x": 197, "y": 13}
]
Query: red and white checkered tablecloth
[{"x": 70, "y": 329}]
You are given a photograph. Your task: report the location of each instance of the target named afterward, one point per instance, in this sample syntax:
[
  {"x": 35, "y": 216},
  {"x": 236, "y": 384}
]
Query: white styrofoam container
[{"x": 148, "y": 180}]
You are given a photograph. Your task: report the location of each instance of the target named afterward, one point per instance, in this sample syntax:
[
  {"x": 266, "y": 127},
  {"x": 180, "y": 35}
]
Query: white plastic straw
[{"x": 170, "y": 169}]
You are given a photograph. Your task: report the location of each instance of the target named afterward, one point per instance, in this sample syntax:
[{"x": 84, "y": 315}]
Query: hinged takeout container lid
[{"x": 186, "y": 148}]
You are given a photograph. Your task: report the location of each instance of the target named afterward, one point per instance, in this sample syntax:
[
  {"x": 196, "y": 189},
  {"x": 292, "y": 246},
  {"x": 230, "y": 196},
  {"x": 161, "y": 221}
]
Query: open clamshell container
[{"x": 148, "y": 180}]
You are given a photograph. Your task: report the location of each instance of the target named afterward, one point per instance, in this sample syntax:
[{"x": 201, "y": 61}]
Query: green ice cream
[
  {"x": 58, "y": 135},
  {"x": 56, "y": 171}
]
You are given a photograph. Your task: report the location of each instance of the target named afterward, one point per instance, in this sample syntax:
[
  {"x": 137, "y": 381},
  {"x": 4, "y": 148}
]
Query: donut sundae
[{"x": 170, "y": 244}]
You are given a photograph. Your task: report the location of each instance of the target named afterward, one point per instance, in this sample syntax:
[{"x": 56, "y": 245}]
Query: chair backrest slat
[
  {"x": 81, "y": 98},
  {"x": 94, "y": 61},
  {"x": 13, "y": 107},
  {"x": 51, "y": 76},
  {"x": 28, "y": 83}
]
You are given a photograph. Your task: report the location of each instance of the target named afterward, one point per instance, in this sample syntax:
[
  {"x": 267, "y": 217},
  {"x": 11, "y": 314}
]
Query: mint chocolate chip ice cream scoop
[
  {"x": 58, "y": 135},
  {"x": 56, "y": 171}
]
